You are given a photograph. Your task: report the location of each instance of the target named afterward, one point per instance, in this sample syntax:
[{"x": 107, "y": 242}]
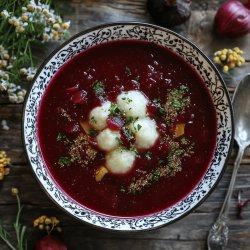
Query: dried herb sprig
[{"x": 20, "y": 230}]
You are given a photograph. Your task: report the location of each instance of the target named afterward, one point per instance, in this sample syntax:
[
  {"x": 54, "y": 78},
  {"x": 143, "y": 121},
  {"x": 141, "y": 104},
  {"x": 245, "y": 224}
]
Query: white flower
[{"x": 5, "y": 14}]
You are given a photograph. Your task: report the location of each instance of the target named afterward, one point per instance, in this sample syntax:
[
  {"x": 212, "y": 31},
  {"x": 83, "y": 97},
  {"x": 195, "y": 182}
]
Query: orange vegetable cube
[
  {"x": 179, "y": 129},
  {"x": 100, "y": 173}
]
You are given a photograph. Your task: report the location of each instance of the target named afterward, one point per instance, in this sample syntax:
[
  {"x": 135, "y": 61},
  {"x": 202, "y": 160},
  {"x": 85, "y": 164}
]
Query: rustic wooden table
[{"x": 188, "y": 233}]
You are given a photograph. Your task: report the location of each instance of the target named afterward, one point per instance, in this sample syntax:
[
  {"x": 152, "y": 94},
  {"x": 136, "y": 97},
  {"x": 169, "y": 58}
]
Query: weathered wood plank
[{"x": 190, "y": 232}]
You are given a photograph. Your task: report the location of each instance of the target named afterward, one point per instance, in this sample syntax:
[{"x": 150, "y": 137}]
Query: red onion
[{"x": 232, "y": 19}]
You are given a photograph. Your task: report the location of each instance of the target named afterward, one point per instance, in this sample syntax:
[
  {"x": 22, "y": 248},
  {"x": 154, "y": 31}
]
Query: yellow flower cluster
[
  {"x": 47, "y": 223},
  {"x": 229, "y": 58},
  {"x": 4, "y": 162}
]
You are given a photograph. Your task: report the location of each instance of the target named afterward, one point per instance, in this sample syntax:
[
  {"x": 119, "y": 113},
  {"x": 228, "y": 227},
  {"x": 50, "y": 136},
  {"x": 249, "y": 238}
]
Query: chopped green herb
[
  {"x": 161, "y": 111},
  {"x": 129, "y": 120},
  {"x": 177, "y": 104},
  {"x": 64, "y": 161},
  {"x": 148, "y": 155},
  {"x": 98, "y": 87},
  {"x": 61, "y": 137},
  {"x": 184, "y": 141},
  {"x": 138, "y": 127},
  {"x": 93, "y": 132},
  {"x": 156, "y": 101},
  {"x": 127, "y": 100},
  {"x": 128, "y": 133},
  {"x": 156, "y": 175},
  {"x": 176, "y": 98},
  {"x": 93, "y": 120},
  {"x": 183, "y": 88},
  {"x": 160, "y": 162},
  {"x": 127, "y": 71},
  {"x": 132, "y": 148},
  {"x": 115, "y": 110},
  {"x": 119, "y": 140}
]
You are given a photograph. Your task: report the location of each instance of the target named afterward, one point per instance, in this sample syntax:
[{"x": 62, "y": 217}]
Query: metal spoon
[{"x": 218, "y": 234}]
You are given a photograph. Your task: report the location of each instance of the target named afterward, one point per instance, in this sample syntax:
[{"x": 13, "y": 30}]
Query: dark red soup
[{"x": 127, "y": 128}]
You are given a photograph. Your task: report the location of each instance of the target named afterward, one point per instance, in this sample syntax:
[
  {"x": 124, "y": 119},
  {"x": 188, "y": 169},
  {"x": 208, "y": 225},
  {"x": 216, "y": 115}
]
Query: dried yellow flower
[
  {"x": 229, "y": 58},
  {"x": 14, "y": 191},
  {"x": 65, "y": 25},
  {"x": 4, "y": 162},
  {"x": 47, "y": 223}
]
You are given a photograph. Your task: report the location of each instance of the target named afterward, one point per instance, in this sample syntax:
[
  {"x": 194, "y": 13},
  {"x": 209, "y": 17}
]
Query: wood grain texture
[{"x": 187, "y": 234}]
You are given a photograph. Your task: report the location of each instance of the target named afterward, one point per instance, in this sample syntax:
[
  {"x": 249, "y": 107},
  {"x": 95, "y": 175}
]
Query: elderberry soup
[{"x": 127, "y": 128}]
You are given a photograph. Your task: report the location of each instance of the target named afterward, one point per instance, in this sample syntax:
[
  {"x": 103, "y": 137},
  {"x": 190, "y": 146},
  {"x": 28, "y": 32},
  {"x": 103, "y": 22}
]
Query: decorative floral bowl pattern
[{"x": 186, "y": 50}]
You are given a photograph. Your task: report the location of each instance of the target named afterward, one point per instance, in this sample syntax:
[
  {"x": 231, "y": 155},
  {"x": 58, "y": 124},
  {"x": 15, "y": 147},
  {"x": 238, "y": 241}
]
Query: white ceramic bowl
[{"x": 190, "y": 53}]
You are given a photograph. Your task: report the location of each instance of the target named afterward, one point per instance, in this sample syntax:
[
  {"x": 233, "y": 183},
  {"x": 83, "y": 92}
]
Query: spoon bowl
[{"x": 241, "y": 104}]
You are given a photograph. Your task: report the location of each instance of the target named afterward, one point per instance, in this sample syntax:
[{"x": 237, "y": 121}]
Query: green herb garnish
[
  {"x": 127, "y": 100},
  {"x": 93, "y": 132},
  {"x": 161, "y": 111},
  {"x": 184, "y": 141},
  {"x": 119, "y": 140},
  {"x": 98, "y": 87},
  {"x": 129, "y": 120},
  {"x": 127, "y": 71},
  {"x": 156, "y": 175},
  {"x": 148, "y": 155},
  {"x": 138, "y": 127},
  {"x": 93, "y": 120},
  {"x": 115, "y": 110},
  {"x": 132, "y": 148},
  {"x": 64, "y": 161},
  {"x": 176, "y": 98},
  {"x": 128, "y": 133},
  {"x": 160, "y": 162},
  {"x": 61, "y": 137}
]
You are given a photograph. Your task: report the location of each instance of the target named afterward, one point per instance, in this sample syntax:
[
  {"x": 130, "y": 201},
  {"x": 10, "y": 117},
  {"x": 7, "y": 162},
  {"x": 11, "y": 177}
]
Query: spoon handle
[{"x": 218, "y": 234}]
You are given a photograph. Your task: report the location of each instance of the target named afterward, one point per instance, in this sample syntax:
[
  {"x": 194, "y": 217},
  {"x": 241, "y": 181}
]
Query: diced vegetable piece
[
  {"x": 77, "y": 96},
  {"x": 100, "y": 173},
  {"x": 115, "y": 123},
  {"x": 86, "y": 127},
  {"x": 179, "y": 129}
]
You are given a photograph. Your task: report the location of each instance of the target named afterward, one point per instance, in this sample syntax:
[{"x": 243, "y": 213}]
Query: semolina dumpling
[
  {"x": 120, "y": 161},
  {"x": 108, "y": 139},
  {"x": 98, "y": 116},
  {"x": 145, "y": 133},
  {"x": 133, "y": 102}
]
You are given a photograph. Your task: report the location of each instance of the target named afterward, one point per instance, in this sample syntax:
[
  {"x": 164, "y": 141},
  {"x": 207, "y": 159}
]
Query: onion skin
[{"x": 232, "y": 19}]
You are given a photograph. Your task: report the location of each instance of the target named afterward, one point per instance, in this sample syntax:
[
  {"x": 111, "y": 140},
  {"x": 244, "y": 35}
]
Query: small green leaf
[
  {"x": 61, "y": 137},
  {"x": 64, "y": 161},
  {"x": 138, "y": 127},
  {"x": 93, "y": 120},
  {"x": 127, "y": 71},
  {"x": 98, "y": 87},
  {"x": 156, "y": 175},
  {"x": 93, "y": 132}
]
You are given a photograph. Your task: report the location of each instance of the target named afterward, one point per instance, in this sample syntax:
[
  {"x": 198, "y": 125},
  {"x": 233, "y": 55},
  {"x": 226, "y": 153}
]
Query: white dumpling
[
  {"x": 108, "y": 139},
  {"x": 145, "y": 133},
  {"x": 98, "y": 116},
  {"x": 120, "y": 161},
  {"x": 133, "y": 102}
]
